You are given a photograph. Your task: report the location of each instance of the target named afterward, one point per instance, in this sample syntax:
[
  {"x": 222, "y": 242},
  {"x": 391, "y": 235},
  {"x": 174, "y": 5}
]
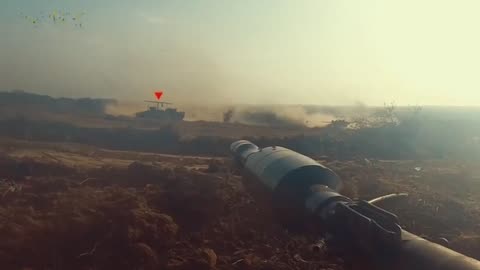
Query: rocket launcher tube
[{"x": 303, "y": 189}]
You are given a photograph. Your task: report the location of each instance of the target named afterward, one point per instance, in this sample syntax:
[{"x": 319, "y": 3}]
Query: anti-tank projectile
[{"x": 304, "y": 190}]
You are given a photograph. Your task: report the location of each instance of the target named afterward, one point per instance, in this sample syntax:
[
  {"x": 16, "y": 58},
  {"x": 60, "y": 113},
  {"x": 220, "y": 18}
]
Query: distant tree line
[{"x": 29, "y": 101}]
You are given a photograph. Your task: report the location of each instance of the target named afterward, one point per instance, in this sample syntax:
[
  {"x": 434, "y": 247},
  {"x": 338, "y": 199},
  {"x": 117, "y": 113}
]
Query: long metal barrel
[{"x": 304, "y": 189}]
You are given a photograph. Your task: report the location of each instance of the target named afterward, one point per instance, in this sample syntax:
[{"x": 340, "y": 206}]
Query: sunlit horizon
[{"x": 250, "y": 52}]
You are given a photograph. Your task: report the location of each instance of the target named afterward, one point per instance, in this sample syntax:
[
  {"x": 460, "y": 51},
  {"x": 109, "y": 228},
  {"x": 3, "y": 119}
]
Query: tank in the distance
[{"x": 161, "y": 113}]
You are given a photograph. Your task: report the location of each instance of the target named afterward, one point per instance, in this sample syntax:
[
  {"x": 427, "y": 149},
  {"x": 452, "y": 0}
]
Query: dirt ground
[{"x": 68, "y": 206}]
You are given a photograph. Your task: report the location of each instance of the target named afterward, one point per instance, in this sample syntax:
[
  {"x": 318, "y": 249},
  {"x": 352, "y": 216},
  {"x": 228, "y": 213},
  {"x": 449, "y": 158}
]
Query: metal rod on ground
[{"x": 388, "y": 197}]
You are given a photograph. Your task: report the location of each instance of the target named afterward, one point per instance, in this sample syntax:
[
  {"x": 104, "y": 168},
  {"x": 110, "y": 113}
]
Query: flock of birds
[{"x": 56, "y": 17}]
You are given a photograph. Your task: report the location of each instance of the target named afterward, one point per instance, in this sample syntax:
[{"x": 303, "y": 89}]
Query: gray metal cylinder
[
  {"x": 274, "y": 165},
  {"x": 288, "y": 174}
]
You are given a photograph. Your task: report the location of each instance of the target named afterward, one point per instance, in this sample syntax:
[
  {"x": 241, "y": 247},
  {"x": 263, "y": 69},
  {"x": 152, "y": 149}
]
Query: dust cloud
[
  {"x": 278, "y": 115},
  {"x": 124, "y": 108}
]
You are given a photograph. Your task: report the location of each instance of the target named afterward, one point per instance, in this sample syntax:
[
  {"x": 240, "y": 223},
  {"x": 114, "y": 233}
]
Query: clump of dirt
[
  {"x": 82, "y": 227},
  {"x": 196, "y": 199},
  {"x": 215, "y": 166}
]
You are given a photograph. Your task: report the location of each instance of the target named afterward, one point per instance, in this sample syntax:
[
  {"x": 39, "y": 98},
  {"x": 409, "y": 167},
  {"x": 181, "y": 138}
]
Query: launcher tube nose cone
[{"x": 242, "y": 149}]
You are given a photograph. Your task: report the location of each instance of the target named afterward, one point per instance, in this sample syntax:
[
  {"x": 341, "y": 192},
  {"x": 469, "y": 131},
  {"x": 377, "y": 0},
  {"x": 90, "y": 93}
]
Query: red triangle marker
[{"x": 158, "y": 94}]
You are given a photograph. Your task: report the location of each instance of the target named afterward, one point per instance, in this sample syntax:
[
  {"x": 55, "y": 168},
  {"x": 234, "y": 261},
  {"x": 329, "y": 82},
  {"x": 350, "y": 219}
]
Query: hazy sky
[{"x": 422, "y": 52}]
